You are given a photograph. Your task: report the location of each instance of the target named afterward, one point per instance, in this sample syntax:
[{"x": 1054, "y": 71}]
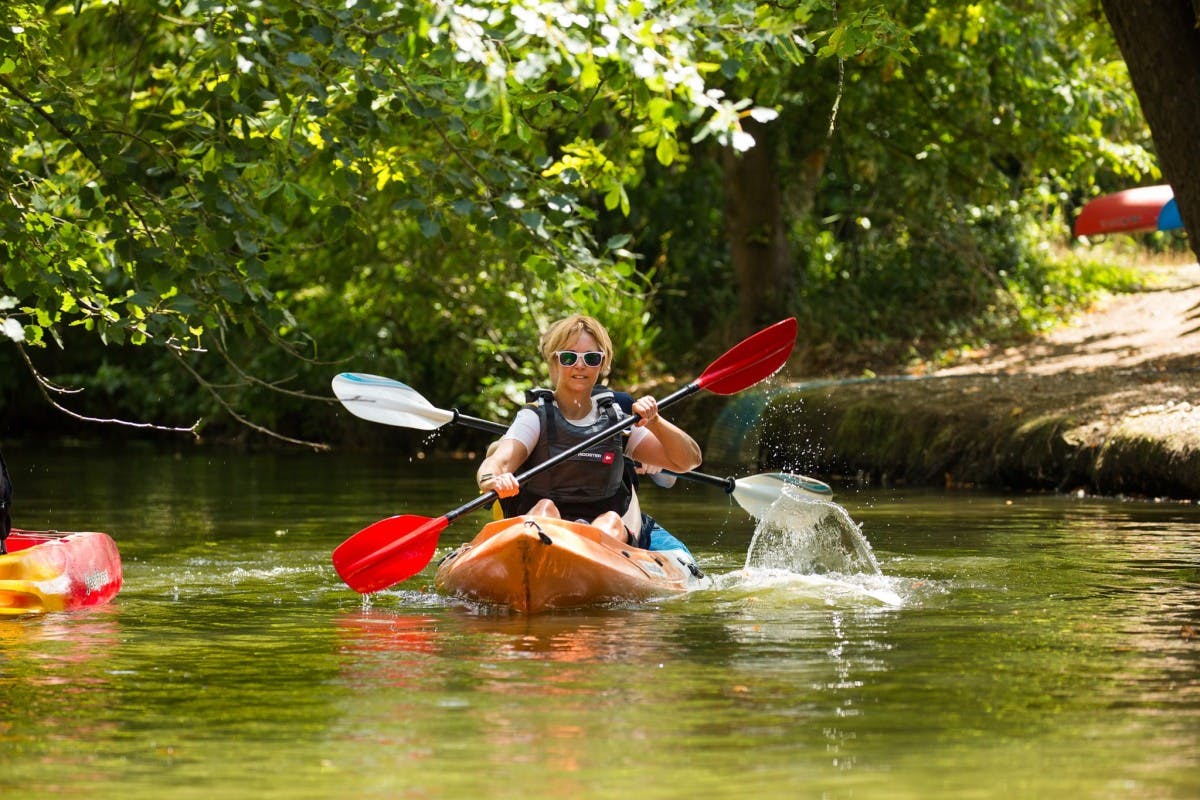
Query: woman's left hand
[{"x": 646, "y": 408}]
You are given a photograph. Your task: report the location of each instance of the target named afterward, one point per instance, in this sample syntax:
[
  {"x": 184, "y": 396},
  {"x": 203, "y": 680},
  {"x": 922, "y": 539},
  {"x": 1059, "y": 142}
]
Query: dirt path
[{"x": 1157, "y": 329}]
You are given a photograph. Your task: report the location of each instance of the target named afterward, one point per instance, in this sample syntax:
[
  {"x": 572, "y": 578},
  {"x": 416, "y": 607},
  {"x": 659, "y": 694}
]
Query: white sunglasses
[{"x": 567, "y": 358}]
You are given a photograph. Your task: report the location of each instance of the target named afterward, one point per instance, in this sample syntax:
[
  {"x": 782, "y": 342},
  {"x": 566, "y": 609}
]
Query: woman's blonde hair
[{"x": 558, "y": 335}]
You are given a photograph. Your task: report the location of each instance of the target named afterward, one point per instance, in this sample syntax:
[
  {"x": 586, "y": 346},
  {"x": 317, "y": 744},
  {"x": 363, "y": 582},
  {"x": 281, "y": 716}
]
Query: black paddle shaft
[
  {"x": 477, "y": 423},
  {"x": 726, "y": 484},
  {"x": 616, "y": 427}
]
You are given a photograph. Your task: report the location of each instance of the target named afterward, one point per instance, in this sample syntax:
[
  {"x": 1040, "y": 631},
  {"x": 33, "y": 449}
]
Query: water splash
[
  {"x": 808, "y": 536},
  {"x": 809, "y": 548}
]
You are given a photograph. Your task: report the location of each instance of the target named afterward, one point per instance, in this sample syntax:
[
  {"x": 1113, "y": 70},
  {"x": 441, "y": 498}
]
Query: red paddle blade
[
  {"x": 755, "y": 358},
  {"x": 388, "y": 551}
]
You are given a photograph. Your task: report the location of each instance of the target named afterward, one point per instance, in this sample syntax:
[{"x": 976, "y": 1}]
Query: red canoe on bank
[
  {"x": 50, "y": 571},
  {"x": 1147, "y": 208}
]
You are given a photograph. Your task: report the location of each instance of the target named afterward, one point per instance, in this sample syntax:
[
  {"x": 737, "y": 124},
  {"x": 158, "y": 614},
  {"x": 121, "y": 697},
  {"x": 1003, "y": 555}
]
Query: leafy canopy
[{"x": 162, "y": 159}]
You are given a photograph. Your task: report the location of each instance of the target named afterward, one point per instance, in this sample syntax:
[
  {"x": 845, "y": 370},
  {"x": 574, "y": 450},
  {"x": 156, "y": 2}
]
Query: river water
[{"x": 1008, "y": 647}]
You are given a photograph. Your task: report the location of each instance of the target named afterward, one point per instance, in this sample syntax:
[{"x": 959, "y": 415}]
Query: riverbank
[{"x": 1107, "y": 405}]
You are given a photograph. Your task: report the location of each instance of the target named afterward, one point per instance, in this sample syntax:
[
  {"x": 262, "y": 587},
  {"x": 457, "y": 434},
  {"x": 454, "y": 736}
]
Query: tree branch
[
  {"x": 45, "y": 386},
  {"x": 221, "y": 401}
]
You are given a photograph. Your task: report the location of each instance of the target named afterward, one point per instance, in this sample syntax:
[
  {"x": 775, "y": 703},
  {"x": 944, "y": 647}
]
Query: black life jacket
[{"x": 589, "y": 483}]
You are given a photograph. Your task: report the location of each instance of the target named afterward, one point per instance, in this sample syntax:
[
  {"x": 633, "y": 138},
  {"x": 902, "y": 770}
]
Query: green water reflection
[{"x": 1013, "y": 647}]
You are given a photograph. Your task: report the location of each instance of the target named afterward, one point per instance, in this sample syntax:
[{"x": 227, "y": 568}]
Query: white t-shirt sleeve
[
  {"x": 526, "y": 428},
  {"x": 635, "y": 438}
]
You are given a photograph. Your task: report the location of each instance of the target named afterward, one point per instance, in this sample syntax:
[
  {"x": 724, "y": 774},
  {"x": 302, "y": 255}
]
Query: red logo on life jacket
[{"x": 608, "y": 457}]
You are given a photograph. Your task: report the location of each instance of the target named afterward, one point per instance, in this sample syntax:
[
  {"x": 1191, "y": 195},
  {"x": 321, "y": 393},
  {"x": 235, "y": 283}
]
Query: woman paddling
[{"x": 592, "y": 485}]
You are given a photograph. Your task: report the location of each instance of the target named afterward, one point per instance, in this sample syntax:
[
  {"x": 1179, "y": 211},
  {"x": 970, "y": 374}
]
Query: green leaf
[
  {"x": 429, "y": 226},
  {"x": 667, "y": 150}
]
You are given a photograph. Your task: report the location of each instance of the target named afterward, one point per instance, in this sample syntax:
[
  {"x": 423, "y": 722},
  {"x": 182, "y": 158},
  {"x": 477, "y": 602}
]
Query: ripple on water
[{"x": 779, "y": 587}]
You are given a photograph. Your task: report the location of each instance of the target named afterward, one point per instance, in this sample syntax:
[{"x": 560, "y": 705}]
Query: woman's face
[{"x": 579, "y": 377}]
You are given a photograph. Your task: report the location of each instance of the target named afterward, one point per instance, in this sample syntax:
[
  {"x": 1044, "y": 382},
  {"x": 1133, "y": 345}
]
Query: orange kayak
[
  {"x": 532, "y": 564},
  {"x": 50, "y": 571}
]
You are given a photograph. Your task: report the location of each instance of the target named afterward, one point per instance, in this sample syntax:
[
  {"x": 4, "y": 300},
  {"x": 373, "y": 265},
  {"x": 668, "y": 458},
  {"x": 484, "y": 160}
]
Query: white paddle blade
[
  {"x": 757, "y": 493},
  {"x": 390, "y": 402}
]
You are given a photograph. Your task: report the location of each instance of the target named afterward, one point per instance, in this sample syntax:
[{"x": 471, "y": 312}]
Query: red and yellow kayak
[
  {"x": 50, "y": 571},
  {"x": 532, "y": 564}
]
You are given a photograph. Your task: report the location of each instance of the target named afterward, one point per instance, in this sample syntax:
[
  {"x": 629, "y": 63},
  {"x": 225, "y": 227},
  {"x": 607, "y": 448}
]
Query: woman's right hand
[{"x": 504, "y": 485}]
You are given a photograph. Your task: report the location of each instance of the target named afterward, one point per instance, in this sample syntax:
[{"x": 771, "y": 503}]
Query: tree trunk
[
  {"x": 757, "y": 231},
  {"x": 1160, "y": 42}
]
